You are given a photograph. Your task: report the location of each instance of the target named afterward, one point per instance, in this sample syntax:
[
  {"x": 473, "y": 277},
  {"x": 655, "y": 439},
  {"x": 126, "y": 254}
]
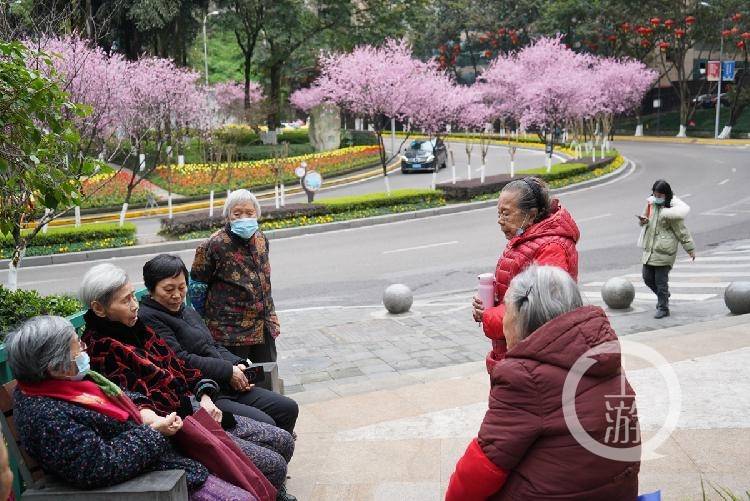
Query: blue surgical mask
[
  {"x": 244, "y": 227},
  {"x": 659, "y": 201},
  {"x": 83, "y": 362}
]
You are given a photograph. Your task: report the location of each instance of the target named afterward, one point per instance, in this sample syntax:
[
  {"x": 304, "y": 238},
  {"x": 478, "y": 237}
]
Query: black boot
[
  {"x": 661, "y": 313},
  {"x": 283, "y": 495}
]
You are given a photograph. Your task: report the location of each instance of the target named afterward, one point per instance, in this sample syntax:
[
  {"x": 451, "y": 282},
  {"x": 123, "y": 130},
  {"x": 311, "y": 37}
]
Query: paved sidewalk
[
  {"x": 388, "y": 403},
  {"x": 684, "y": 140}
]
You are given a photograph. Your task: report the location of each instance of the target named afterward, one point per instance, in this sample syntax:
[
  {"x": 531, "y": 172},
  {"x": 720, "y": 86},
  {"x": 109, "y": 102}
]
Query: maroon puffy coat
[
  {"x": 524, "y": 431},
  {"x": 551, "y": 242}
]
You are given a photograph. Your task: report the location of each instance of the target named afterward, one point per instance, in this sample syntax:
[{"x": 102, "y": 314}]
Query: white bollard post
[
  {"x": 468, "y": 171},
  {"x": 481, "y": 175},
  {"x": 180, "y": 160},
  {"x": 433, "y": 184},
  {"x": 141, "y": 161},
  {"x": 169, "y": 205},
  {"x": 78, "y": 216},
  {"x": 276, "y": 195},
  {"x": 44, "y": 228},
  {"x": 387, "y": 186},
  {"x": 211, "y": 204},
  {"x": 512, "y": 168},
  {"x": 549, "y": 163},
  {"x": 122, "y": 214}
]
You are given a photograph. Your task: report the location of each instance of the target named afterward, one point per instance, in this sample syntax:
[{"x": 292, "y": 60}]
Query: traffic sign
[
  {"x": 727, "y": 70},
  {"x": 713, "y": 68}
]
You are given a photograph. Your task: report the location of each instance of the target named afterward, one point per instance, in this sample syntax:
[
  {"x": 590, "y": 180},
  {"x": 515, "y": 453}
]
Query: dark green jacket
[{"x": 665, "y": 229}]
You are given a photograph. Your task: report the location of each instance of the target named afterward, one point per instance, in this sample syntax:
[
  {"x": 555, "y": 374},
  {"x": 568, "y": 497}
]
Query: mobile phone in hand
[{"x": 255, "y": 374}]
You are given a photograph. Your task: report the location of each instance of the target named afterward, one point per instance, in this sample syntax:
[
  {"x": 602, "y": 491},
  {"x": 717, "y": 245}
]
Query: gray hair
[
  {"x": 239, "y": 197},
  {"x": 101, "y": 283},
  {"x": 540, "y": 294},
  {"x": 533, "y": 193},
  {"x": 39, "y": 345}
]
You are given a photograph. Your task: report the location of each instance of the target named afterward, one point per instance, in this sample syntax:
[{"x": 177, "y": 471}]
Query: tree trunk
[
  {"x": 248, "y": 59},
  {"x": 273, "y": 99}
]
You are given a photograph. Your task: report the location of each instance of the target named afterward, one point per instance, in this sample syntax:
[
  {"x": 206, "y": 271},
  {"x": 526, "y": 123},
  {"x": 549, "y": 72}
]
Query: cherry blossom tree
[{"x": 379, "y": 83}]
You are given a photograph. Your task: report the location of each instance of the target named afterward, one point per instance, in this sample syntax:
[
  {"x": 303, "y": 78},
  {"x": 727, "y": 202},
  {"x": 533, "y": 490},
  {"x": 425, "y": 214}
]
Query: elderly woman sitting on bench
[{"x": 81, "y": 427}]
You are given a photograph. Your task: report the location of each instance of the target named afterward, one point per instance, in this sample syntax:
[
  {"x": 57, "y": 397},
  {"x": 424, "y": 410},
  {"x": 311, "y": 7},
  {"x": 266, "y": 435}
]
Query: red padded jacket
[
  {"x": 525, "y": 449},
  {"x": 552, "y": 242}
]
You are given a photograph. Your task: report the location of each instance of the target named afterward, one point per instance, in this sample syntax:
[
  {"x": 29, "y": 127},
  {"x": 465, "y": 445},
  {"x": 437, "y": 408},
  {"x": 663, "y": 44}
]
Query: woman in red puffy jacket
[
  {"x": 528, "y": 446},
  {"x": 539, "y": 231}
]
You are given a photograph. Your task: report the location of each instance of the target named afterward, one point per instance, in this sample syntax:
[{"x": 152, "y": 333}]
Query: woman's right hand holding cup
[{"x": 477, "y": 308}]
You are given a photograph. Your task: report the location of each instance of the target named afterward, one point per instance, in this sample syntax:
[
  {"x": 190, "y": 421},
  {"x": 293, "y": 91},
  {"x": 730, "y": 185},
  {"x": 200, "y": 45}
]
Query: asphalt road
[{"x": 445, "y": 253}]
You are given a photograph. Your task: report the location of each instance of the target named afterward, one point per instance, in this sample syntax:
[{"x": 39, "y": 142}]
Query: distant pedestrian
[
  {"x": 539, "y": 231},
  {"x": 663, "y": 223}
]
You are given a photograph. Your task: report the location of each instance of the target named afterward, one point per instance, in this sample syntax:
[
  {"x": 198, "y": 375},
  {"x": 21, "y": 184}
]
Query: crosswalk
[{"x": 691, "y": 281}]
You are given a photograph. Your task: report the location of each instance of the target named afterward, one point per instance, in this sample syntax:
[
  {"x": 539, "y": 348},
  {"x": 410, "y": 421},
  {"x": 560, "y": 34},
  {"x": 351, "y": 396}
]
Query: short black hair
[
  {"x": 163, "y": 266},
  {"x": 662, "y": 186}
]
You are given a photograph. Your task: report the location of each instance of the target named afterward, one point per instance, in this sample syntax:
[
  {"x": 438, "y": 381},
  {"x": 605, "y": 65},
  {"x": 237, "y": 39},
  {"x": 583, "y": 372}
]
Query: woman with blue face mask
[
  {"x": 663, "y": 223},
  {"x": 234, "y": 270}
]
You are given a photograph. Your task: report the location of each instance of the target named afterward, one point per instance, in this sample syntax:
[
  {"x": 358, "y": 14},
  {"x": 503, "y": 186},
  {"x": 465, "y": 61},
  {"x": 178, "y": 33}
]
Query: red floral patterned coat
[{"x": 239, "y": 305}]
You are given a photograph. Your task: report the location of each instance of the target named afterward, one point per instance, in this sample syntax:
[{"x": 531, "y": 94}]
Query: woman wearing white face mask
[
  {"x": 664, "y": 222},
  {"x": 234, "y": 268}
]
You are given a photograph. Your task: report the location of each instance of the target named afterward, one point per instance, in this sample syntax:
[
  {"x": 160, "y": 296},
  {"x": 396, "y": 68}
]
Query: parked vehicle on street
[{"x": 424, "y": 155}]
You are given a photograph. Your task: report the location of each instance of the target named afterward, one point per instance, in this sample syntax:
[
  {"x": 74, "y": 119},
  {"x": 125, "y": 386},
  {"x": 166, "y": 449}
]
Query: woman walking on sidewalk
[{"x": 663, "y": 224}]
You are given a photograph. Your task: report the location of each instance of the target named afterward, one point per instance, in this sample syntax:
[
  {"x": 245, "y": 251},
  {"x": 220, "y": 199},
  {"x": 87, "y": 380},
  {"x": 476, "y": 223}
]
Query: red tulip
[
  {"x": 655, "y": 21},
  {"x": 645, "y": 43},
  {"x": 669, "y": 23},
  {"x": 679, "y": 32},
  {"x": 663, "y": 46}
]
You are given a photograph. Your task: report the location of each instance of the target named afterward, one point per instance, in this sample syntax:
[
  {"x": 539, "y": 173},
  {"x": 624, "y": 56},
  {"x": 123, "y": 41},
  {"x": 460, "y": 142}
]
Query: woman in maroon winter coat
[
  {"x": 525, "y": 449},
  {"x": 539, "y": 231}
]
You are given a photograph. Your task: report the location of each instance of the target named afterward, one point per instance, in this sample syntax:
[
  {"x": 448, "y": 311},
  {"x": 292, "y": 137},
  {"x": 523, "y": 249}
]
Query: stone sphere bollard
[
  {"x": 397, "y": 298},
  {"x": 737, "y": 297},
  {"x": 618, "y": 293}
]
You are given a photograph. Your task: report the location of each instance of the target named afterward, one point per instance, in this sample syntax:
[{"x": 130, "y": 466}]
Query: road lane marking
[
  {"x": 718, "y": 259},
  {"x": 724, "y": 181},
  {"x": 725, "y": 214},
  {"x": 714, "y": 274},
  {"x": 686, "y": 285},
  {"x": 420, "y": 247},
  {"x": 649, "y": 296},
  {"x": 593, "y": 218},
  {"x": 686, "y": 195}
]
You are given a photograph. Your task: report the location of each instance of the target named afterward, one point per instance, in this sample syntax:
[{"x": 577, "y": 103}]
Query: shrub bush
[
  {"x": 68, "y": 235},
  {"x": 251, "y": 153},
  {"x": 241, "y": 135},
  {"x": 18, "y": 306},
  {"x": 199, "y": 221},
  {"x": 373, "y": 200},
  {"x": 358, "y": 138}
]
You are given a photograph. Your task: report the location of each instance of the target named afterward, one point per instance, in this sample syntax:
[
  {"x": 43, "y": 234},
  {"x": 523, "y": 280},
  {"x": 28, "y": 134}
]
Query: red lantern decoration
[
  {"x": 679, "y": 32},
  {"x": 488, "y": 54},
  {"x": 689, "y": 20},
  {"x": 669, "y": 23},
  {"x": 625, "y": 27},
  {"x": 655, "y": 21},
  {"x": 745, "y": 35},
  {"x": 726, "y": 33}
]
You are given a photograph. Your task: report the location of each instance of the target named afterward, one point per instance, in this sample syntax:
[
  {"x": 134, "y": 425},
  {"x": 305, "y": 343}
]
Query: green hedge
[
  {"x": 263, "y": 151},
  {"x": 373, "y": 200},
  {"x": 68, "y": 235},
  {"x": 15, "y": 307}
]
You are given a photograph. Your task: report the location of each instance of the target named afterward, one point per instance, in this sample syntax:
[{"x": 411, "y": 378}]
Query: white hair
[
  {"x": 540, "y": 294},
  {"x": 39, "y": 345},
  {"x": 101, "y": 283},
  {"x": 239, "y": 197}
]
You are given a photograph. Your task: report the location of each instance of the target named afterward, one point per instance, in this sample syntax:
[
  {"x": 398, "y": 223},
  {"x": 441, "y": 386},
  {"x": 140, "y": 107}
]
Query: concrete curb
[{"x": 180, "y": 245}]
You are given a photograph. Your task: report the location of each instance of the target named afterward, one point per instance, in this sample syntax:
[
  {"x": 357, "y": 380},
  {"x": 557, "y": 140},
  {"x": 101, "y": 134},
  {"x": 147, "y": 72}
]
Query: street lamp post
[
  {"x": 205, "y": 43},
  {"x": 721, "y": 74}
]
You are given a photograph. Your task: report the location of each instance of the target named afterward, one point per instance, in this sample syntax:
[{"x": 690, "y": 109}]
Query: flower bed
[
  {"x": 63, "y": 240},
  {"x": 195, "y": 179},
  {"x": 109, "y": 190}
]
